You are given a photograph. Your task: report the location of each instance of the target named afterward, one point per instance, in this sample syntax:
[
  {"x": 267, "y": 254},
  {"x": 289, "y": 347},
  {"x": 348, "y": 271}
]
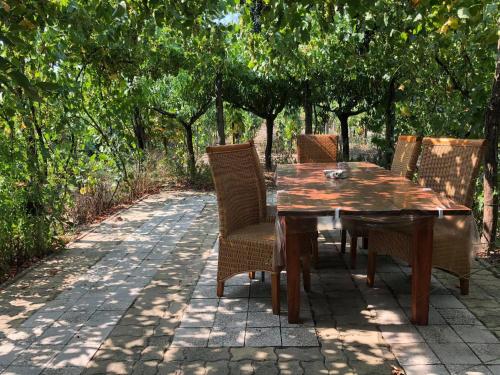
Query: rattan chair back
[
  {"x": 321, "y": 148},
  {"x": 404, "y": 161},
  {"x": 261, "y": 181},
  {"x": 236, "y": 186},
  {"x": 451, "y": 166}
]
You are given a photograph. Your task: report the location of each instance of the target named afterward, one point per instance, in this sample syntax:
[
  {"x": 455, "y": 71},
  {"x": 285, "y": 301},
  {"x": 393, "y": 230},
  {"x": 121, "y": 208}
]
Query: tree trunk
[
  {"x": 219, "y": 106},
  {"x": 344, "y": 132},
  {"x": 308, "y": 110},
  {"x": 269, "y": 141},
  {"x": 190, "y": 150},
  {"x": 164, "y": 141},
  {"x": 491, "y": 124},
  {"x": 316, "y": 122},
  {"x": 140, "y": 133},
  {"x": 43, "y": 168},
  {"x": 390, "y": 120}
]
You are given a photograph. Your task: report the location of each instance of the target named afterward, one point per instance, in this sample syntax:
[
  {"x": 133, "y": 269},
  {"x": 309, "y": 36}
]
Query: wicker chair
[
  {"x": 404, "y": 163},
  {"x": 247, "y": 236},
  {"x": 246, "y": 241},
  {"x": 317, "y": 149},
  {"x": 268, "y": 215},
  {"x": 449, "y": 167}
]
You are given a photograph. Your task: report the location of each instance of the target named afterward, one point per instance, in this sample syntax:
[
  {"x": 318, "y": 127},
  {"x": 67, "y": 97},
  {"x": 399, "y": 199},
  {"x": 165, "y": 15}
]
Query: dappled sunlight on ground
[{"x": 137, "y": 295}]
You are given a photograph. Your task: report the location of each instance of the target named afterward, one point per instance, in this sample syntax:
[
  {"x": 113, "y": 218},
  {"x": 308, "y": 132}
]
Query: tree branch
[
  {"x": 200, "y": 112},
  {"x": 164, "y": 113},
  {"x": 454, "y": 80},
  {"x": 249, "y": 108}
]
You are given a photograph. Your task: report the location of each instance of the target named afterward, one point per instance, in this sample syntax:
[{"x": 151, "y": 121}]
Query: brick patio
[{"x": 137, "y": 295}]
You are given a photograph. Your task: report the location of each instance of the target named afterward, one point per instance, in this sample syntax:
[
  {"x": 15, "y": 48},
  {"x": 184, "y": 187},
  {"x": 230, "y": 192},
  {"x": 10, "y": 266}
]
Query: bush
[{"x": 32, "y": 225}]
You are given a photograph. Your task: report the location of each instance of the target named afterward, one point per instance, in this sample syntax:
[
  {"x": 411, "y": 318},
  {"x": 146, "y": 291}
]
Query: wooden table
[{"x": 368, "y": 190}]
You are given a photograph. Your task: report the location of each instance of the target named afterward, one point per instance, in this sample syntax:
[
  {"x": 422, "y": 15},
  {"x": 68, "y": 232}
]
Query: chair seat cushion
[
  {"x": 454, "y": 243},
  {"x": 251, "y": 248},
  {"x": 450, "y": 229},
  {"x": 262, "y": 233}
]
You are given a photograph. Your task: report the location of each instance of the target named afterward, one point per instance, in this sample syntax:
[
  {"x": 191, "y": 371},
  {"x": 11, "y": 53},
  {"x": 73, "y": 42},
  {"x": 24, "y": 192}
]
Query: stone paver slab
[
  {"x": 401, "y": 334},
  {"x": 455, "y": 353},
  {"x": 198, "y": 320},
  {"x": 186, "y": 337},
  {"x": 262, "y": 319},
  {"x": 23, "y": 370},
  {"x": 439, "y": 334},
  {"x": 414, "y": 354},
  {"x": 226, "y": 337},
  {"x": 233, "y": 305},
  {"x": 254, "y": 354},
  {"x": 446, "y": 302},
  {"x": 459, "y": 317},
  {"x": 263, "y": 337},
  {"x": 300, "y": 336},
  {"x": 426, "y": 369},
  {"x": 260, "y": 304},
  {"x": 203, "y": 305},
  {"x": 468, "y": 370},
  {"x": 230, "y": 319},
  {"x": 475, "y": 334},
  {"x": 299, "y": 354},
  {"x": 488, "y": 353}
]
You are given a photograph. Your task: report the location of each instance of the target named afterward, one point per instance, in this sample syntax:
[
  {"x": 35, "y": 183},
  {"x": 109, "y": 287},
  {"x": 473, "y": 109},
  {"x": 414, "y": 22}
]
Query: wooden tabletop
[{"x": 304, "y": 190}]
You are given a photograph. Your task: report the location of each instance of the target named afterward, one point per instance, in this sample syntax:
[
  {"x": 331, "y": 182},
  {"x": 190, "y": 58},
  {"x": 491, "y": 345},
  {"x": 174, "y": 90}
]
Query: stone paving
[
  {"x": 243, "y": 317},
  {"x": 136, "y": 296}
]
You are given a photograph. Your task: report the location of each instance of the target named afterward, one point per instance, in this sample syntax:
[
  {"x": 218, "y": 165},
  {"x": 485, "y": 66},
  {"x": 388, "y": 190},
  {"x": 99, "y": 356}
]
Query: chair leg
[
  {"x": 220, "y": 288},
  {"x": 314, "y": 250},
  {"x": 343, "y": 240},
  {"x": 365, "y": 243},
  {"x": 354, "y": 249},
  {"x": 464, "y": 286},
  {"x": 275, "y": 292},
  {"x": 306, "y": 272},
  {"x": 251, "y": 275},
  {"x": 372, "y": 264}
]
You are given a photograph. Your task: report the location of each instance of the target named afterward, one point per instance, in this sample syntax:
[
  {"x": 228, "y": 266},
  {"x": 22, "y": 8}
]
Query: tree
[
  {"x": 491, "y": 126},
  {"x": 469, "y": 53},
  {"x": 263, "y": 96},
  {"x": 184, "y": 98}
]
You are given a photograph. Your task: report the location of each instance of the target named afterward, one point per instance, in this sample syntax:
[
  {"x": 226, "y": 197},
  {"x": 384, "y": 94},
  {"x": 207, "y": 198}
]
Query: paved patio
[{"x": 136, "y": 295}]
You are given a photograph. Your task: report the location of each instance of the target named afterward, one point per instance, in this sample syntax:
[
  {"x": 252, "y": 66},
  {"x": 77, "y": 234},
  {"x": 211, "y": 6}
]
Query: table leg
[
  {"x": 421, "y": 250},
  {"x": 292, "y": 249},
  {"x": 343, "y": 240}
]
